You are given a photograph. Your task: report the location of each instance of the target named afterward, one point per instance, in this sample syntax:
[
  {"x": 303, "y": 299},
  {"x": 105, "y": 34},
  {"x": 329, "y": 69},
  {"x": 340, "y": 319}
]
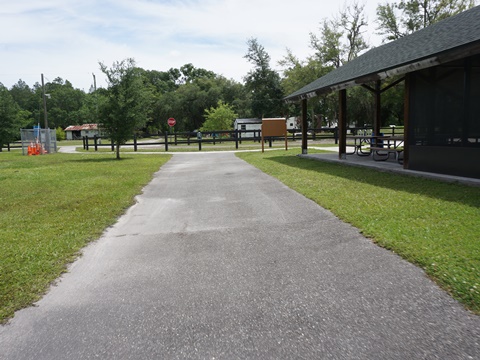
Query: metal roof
[
  {"x": 450, "y": 39},
  {"x": 248, "y": 121},
  {"x": 82, "y": 127}
]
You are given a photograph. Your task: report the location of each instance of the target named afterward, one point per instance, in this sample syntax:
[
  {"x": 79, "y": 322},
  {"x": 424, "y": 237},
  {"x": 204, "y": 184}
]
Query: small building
[
  {"x": 75, "y": 132},
  {"x": 248, "y": 125}
]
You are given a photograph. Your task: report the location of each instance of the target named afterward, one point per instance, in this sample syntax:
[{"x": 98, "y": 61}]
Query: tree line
[{"x": 139, "y": 99}]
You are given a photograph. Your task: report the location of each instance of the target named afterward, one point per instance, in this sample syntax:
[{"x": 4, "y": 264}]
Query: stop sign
[{"x": 171, "y": 122}]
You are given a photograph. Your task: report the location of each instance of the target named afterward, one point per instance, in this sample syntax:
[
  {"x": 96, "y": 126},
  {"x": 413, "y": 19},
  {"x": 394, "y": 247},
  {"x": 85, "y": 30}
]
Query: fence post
[
  {"x": 314, "y": 134},
  {"x": 236, "y": 138},
  {"x": 83, "y": 141},
  {"x": 335, "y": 132},
  {"x": 166, "y": 140},
  {"x": 95, "y": 142},
  {"x": 113, "y": 146},
  {"x": 135, "y": 142},
  {"x": 270, "y": 141},
  {"x": 86, "y": 142},
  {"x": 176, "y": 138}
]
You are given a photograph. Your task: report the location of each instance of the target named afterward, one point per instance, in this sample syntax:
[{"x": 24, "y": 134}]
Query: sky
[{"x": 68, "y": 38}]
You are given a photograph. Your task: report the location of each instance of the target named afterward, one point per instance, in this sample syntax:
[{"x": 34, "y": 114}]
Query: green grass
[
  {"x": 69, "y": 143},
  {"x": 51, "y": 207},
  {"x": 432, "y": 224}
]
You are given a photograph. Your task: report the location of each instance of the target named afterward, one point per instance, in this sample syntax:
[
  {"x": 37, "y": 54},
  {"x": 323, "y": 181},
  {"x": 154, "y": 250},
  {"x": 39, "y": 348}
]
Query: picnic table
[
  {"x": 361, "y": 144},
  {"x": 379, "y": 146}
]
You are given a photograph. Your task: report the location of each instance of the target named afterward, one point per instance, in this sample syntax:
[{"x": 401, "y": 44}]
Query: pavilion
[{"x": 440, "y": 69}]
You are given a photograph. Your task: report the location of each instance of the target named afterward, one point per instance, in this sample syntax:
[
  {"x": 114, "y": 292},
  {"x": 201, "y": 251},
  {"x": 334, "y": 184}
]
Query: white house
[
  {"x": 252, "y": 126},
  {"x": 292, "y": 123},
  {"x": 74, "y": 132}
]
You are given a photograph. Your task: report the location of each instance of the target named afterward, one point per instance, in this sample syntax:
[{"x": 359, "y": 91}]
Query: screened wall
[{"x": 444, "y": 118}]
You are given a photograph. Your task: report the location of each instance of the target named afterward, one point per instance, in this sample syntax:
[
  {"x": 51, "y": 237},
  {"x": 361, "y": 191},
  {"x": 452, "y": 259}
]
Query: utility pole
[
  {"x": 96, "y": 102},
  {"x": 96, "y": 98},
  {"x": 47, "y": 130}
]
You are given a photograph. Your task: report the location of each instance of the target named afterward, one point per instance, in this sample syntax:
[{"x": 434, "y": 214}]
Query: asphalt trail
[{"x": 220, "y": 261}]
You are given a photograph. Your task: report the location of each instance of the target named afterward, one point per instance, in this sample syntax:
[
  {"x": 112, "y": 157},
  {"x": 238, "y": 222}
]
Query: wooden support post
[
  {"x": 304, "y": 127},
  {"x": 263, "y": 143},
  {"x": 406, "y": 120},
  {"x": 378, "y": 106},
  {"x": 166, "y": 140},
  {"x": 342, "y": 125}
]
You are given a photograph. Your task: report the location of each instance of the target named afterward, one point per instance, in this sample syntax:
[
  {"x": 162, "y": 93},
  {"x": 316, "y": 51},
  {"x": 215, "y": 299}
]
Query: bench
[
  {"x": 357, "y": 148},
  {"x": 388, "y": 150}
]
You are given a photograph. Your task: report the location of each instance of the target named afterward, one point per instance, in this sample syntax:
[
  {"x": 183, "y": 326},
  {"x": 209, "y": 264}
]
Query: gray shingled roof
[{"x": 447, "y": 40}]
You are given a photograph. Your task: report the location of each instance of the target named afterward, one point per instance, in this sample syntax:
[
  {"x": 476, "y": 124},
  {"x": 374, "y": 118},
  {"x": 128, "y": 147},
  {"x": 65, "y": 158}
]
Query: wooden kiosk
[{"x": 274, "y": 127}]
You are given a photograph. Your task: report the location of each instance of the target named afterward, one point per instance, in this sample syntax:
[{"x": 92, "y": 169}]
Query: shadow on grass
[
  {"x": 451, "y": 192},
  {"x": 98, "y": 159}
]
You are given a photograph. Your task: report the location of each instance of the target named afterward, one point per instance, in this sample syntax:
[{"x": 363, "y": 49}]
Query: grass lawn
[
  {"x": 51, "y": 207},
  {"x": 432, "y": 224}
]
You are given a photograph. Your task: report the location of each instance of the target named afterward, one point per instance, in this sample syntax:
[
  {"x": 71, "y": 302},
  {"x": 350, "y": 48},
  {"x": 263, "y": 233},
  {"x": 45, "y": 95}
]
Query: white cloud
[{"x": 67, "y": 39}]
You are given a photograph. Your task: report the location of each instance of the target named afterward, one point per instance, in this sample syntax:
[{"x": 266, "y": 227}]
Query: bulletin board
[{"x": 274, "y": 127}]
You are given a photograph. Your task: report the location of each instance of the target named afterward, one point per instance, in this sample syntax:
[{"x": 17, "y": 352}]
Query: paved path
[{"x": 220, "y": 261}]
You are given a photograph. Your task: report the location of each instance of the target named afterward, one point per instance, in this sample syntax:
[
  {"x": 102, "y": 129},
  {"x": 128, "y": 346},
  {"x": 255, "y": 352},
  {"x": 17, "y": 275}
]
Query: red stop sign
[{"x": 171, "y": 122}]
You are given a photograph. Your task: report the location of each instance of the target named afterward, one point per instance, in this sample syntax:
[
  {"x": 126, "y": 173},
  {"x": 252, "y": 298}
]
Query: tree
[
  {"x": 188, "y": 102},
  {"x": 127, "y": 104},
  {"x": 219, "y": 118},
  {"x": 29, "y": 102},
  {"x": 402, "y": 18},
  {"x": 190, "y": 73},
  {"x": 296, "y": 74},
  {"x": 341, "y": 38},
  {"x": 10, "y": 115},
  {"x": 262, "y": 82},
  {"x": 353, "y": 21},
  {"x": 64, "y": 103}
]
